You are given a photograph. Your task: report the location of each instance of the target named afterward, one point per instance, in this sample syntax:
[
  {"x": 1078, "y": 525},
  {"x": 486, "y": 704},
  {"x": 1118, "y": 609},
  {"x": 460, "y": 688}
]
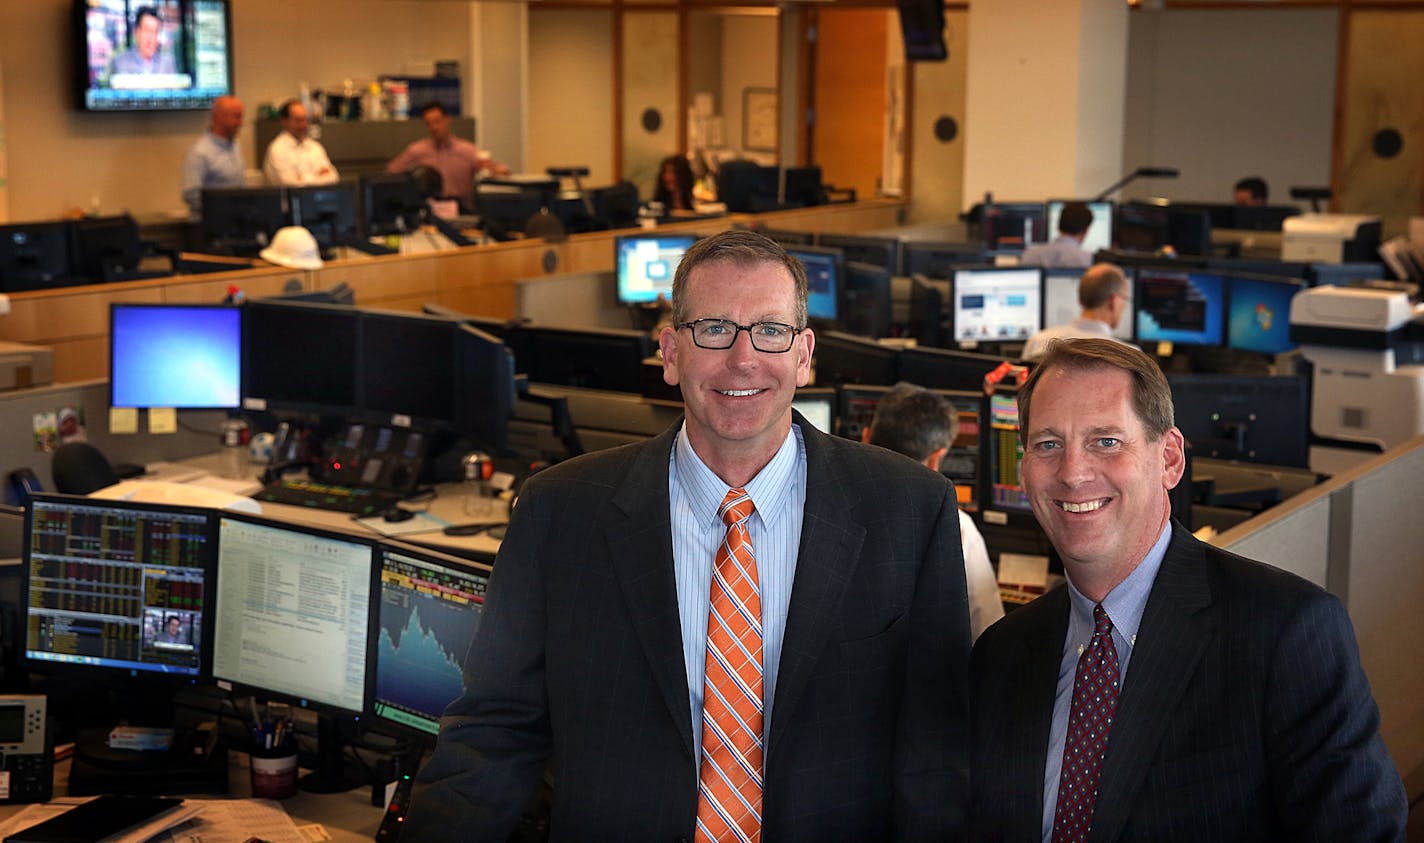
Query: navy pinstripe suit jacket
[
  {"x": 579, "y": 658},
  {"x": 1245, "y": 715}
]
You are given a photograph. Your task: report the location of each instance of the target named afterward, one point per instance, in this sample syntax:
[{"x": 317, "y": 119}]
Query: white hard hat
[{"x": 295, "y": 247}]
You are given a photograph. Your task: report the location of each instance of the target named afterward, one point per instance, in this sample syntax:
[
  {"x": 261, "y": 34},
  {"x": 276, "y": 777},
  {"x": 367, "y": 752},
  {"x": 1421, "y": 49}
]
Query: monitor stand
[
  {"x": 331, "y": 774},
  {"x": 195, "y": 763}
]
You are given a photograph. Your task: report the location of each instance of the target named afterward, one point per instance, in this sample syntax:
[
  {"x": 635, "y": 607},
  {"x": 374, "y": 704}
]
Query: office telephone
[{"x": 26, "y": 749}]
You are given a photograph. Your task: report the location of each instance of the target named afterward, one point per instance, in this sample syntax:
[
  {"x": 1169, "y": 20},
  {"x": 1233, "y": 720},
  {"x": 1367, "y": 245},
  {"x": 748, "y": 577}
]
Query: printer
[
  {"x": 1330, "y": 238},
  {"x": 1366, "y": 348}
]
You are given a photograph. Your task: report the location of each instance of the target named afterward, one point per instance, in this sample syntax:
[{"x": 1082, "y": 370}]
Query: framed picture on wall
[{"x": 759, "y": 119}]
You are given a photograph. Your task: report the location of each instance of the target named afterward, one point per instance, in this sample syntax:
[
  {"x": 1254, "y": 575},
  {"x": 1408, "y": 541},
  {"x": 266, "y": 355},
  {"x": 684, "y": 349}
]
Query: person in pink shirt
[{"x": 456, "y": 159}]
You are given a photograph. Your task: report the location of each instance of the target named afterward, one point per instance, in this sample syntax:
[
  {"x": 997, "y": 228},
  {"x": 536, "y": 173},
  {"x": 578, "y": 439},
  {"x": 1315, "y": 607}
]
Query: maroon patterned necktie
[{"x": 1095, "y": 690}]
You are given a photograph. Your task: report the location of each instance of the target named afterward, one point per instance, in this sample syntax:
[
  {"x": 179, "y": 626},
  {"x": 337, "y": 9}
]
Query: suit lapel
[
  {"x": 1031, "y": 709},
  {"x": 1174, "y": 632},
  {"x": 640, "y": 547},
  {"x": 831, "y": 539}
]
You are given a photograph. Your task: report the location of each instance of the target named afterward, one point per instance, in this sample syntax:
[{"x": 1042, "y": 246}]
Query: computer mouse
[{"x": 395, "y": 513}]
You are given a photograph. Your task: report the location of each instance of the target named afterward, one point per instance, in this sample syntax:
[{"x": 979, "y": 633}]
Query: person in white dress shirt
[
  {"x": 1103, "y": 295},
  {"x": 294, "y": 159}
]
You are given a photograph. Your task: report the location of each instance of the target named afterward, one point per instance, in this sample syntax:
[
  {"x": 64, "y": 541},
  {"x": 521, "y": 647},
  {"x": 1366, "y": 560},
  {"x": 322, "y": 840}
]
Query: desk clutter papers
[{"x": 196, "y": 821}]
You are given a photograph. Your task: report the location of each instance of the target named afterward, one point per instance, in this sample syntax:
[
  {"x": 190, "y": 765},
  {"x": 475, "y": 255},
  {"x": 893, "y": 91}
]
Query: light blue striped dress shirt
[
  {"x": 1124, "y": 606},
  {"x": 779, "y": 494}
]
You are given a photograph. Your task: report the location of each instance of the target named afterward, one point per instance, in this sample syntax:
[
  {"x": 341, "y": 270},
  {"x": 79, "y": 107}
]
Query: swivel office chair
[{"x": 80, "y": 468}]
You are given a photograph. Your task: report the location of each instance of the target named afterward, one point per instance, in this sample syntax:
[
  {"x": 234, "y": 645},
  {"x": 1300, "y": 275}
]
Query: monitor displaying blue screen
[
  {"x": 997, "y": 304},
  {"x": 822, "y": 282},
  {"x": 1180, "y": 307},
  {"x": 1260, "y": 315},
  {"x": 430, "y": 609},
  {"x": 646, "y": 265},
  {"x": 1099, "y": 235},
  {"x": 175, "y": 356}
]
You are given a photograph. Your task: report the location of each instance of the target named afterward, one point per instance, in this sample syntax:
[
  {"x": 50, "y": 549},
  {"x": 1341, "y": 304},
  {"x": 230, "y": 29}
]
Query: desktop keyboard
[{"x": 326, "y": 496}]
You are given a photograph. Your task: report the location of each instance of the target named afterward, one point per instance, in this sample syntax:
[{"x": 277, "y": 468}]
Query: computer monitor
[
  {"x": 1258, "y": 266},
  {"x": 430, "y": 607},
  {"x": 1014, "y": 225},
  {"x": 818, "y": 405},
  {"x": 34, "y": 256},
  {"x": 504, "y": 208},
  {"x": 294, "y": 612},
  {"x": 944, "y": 368},
  {"x": 300, "y": 356},
  {"x": 118, "y": 586},
  {"x": 1255, "y": 418},
  {"x": 1001, "y": 455},
  {"x": 1061, "y": 306},
  {"x": 1099, "y": 234},
  {"x": 924, "y": 311},
  {"x": 646, "y": 264},
  {"x": 1262, "y": 217},
  {"x": 487, "y": 388},
  {"x": 824, "y": 268},
  {"x": 1341, "y": 274},
  {"x": 242, "y": 220},
  {"x": 409, "y": 369},
  {"x": 590, "y": 358},
  {"x": 1187, "y": 308},
  {"x": 997, "y": 304},
  {"x": 616, "y": 206},
  {"x": 1148, "y": 226},
  {"x": 803, "y": 187},
  {"x": 867, "y": 303},
  {"x": 748, "y": 187},
  {"x": 1259, "y": 319},
  {"x": 106, "y": 249},
  {"x": 938, "y": 260},
  {"x": 172, "y": 355},
  {"x": 390, "y": 204},
  {"x": 849, "y": 359},
  {"x": 328, "y": 212},
  {"x": 882, "y": 252},
  {"x": 489, "y": 324}
]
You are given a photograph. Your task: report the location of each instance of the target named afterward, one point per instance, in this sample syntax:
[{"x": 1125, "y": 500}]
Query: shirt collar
[
  {"x": 769, "y": 490},
  {"x": 222, "y": 141},
  {"x": 1128, "y": 599}
]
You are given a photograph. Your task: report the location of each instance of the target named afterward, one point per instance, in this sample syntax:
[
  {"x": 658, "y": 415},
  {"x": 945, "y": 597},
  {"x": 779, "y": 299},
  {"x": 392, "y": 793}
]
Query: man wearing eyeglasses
[{"x": 742, "y": 629}]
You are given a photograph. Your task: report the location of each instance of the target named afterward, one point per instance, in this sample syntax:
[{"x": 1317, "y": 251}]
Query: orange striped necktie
[{"x": 730, "y": 780}]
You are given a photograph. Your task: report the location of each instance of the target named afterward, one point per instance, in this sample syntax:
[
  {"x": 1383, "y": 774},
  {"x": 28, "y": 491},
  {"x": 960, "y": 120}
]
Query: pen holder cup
[{"x": 274, "y": 773}]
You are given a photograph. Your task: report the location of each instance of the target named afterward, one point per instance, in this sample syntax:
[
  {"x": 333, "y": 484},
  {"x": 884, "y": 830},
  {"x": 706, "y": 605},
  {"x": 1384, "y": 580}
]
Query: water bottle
[
  {"x": 234, "y": 441},
  {"x": 478, "y": 469}
]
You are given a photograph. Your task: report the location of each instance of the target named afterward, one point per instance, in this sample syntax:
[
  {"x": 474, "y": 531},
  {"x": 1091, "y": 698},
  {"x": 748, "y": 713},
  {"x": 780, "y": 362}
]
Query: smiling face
[
  {"x": 1097, "y": 483},
  {"x": 738, "y": 399}
]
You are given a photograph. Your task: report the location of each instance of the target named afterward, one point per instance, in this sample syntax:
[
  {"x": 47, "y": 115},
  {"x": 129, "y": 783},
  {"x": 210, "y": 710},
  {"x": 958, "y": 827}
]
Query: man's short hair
[
  {"x": 433, "y": 105},
  {"x": 913, "y": 421},
  {"x": 286, "y": 110},
  {"x": 1098, "y": 285},
  {"x": 745, "y": 248},
  {"x": 1075, "y": 218},
  {"x": 149, "y": 11},
  {"x": 1256, "y": 186},
  {"x": 1151, "y": 396}
]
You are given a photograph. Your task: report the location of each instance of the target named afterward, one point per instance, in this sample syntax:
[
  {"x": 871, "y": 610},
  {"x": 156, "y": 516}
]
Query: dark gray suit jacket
[
  {"x": 1245, "y": 715},
  {"x": 579, "y": 657}
]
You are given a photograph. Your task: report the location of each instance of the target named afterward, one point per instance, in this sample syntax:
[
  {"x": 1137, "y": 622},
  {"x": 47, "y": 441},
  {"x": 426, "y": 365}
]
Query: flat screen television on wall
[{"x": 152, "y": 55}]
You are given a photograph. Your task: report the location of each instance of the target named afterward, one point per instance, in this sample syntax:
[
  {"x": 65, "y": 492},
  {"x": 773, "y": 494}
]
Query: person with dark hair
[
  {"x": 145, "y": 56},
  {"x": 215, "y": 160},
  {"x": 913, "y": 421},
  {"x": 1251, "y": 190},
  {"x": 1103, "y": 294},
  {"x": 1067, "y": 249},
  {"x": 741, "y": 629},
  {"x": 675, "y": 182},
  {"x": 457, "y": 159},
  {"x": 172, "y": 631},
  {"x": 1169, "y": 690},
  {"x": 294, "y": 158}
]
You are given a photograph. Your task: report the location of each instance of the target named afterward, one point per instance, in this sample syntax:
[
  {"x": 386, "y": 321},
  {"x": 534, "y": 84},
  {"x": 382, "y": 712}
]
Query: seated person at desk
[
  {"x": 457, "y": 159},
  {"x": 674, "y": 189},
  {"x": 293, "y": 158},
  {"x": 1251, "y": 190},
  {"x": 216, "y": 159},
  {"x": 1067, "y": 250},
  {"x": 919, "y": 424},
  {"x": 144, "y": 56},
  {"x": 1103, "y": 295}
]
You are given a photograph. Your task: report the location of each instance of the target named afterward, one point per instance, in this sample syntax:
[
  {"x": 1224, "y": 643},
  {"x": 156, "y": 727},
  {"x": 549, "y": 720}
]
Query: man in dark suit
[
  {"x": 598, "y": 648},
  {"x": 1171, "y": 690}
]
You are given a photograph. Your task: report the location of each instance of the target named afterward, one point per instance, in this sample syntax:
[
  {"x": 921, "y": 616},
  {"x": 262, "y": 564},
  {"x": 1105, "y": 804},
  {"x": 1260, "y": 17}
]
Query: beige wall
[
  {"x": 60, "y": 158},
  {"x": 937, "y": 167},
  {"x": 570, "y": 109}
]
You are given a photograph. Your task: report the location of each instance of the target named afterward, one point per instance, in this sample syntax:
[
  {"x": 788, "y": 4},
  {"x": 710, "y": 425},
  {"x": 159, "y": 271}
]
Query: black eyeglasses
[{"x": 721, "y": 334}]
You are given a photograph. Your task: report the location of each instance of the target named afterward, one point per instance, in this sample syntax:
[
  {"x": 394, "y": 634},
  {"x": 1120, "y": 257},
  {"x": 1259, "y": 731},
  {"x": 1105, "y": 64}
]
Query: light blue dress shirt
[
  {"x": 1124, "y": 606},
  {"x": 211, "y": 162},
  {"x": 779, "y": 494}
]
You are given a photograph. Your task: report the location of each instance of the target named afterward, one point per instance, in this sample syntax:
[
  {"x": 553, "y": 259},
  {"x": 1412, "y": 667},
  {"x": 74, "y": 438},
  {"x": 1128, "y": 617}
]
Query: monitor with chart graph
[
  {"x": 1002, "y": 453},
  {"x": 430, "y": 608}
]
